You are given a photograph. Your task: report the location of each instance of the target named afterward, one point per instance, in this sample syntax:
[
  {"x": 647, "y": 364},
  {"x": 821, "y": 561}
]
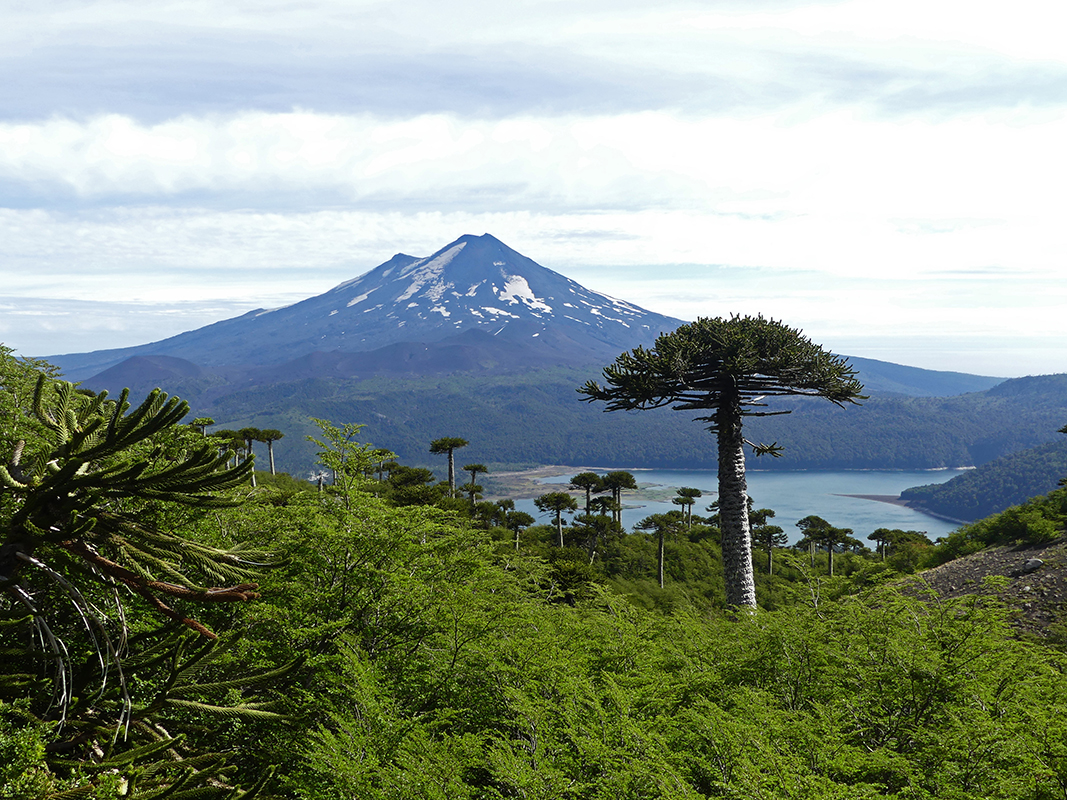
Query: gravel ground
[{"x": 1036, "y": 585}]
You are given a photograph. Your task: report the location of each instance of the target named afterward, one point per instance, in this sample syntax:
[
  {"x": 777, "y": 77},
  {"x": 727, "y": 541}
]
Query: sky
[{"x": 886, "y": 175}]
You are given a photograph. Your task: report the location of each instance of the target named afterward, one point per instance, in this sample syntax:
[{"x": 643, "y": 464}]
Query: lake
[{"x": 792, "y": 495}]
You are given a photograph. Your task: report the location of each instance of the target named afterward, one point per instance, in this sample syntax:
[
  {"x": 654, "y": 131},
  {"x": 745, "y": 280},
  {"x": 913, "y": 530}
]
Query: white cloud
[
  {"x": 851, "y": 166},
  {"x": 829, "y": 185}
]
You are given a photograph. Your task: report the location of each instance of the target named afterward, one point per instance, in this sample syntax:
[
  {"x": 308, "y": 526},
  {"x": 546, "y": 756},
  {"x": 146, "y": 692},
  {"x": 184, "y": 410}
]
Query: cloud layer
[{"x": 871, "y": 172}]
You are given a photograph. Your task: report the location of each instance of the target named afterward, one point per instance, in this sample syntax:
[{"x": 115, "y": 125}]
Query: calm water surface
[{"x": 793, "y": 496}]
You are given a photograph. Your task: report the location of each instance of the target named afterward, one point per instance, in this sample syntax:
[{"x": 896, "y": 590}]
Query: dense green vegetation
[
  {"x": 1039, "y": 520},
  {"x": 1007, "y": 481},
  {"x": 407, "y": 644}
]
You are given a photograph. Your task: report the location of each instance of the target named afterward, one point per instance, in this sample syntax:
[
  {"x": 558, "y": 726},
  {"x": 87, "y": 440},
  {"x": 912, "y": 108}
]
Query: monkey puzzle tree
[
  {"x": 605, "y": 506},
  {"x": 270, "y": 436},
  {"x": 449, "y": 445},
  {"x": 686, "y": 497},
  {"x": 818, "y": 531},
  {"x": 250, "y": 435},
  {"x": 595, "y": 529},
  {"x": 69, "y": 498},
  {"x": 881, "y": 537},
  {"x": 557, "y": 503},
  {"x": 229, "y": 441},
  {"x": 727, "y": 366},
  {"x": 890, "y": 539},
  {"x": 764, "y": 535},
  {"x": 474, "y": 469},
  {"x": 615, "y": 482},
  {"x": 412, "y": 486},
  {"x": 662, "y": 525},
  {"x": 473, "y": 492},
  {"x": 516, "y": 522},
  {"x": 590, "y": 482},
  {"x": 201, "y": 424}
]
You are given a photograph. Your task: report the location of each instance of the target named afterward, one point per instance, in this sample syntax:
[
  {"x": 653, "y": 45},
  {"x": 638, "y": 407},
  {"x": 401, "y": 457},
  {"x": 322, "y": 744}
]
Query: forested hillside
[
  {"x": 1006, "y": 481},
  {"x": 537, "y": 418}
]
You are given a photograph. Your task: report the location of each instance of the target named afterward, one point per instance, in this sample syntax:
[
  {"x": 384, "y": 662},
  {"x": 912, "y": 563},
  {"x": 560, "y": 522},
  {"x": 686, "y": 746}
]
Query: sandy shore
[
  {"x": 896, "y": 501},
  {"x": 524, "y": 484},
  {"x": 878, "y": 498}
]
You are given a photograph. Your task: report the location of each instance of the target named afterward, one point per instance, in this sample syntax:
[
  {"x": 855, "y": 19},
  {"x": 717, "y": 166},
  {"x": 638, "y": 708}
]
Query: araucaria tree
[
  {"x": 726, "y": 367},
  {"x": 687, "y": 496},
  {"x": 250, "y": 435},
  {"x": 557, "y": 503},
  {"x": 662, "y": 525},
  {"x": 615, "y": 482},
  {"x": 588, "y": 482},
  {"x": 72, "y": 501},
  {"x": 449, "y": 445},
  {"x": 767, "y": 537},
  {"x": 474, "y": 469},
  {"x": 270, "y": 436}
]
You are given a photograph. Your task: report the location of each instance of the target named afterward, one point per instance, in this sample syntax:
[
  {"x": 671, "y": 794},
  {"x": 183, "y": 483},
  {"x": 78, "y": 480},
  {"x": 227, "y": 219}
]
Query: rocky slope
[{"x": 1030, "y": 579}]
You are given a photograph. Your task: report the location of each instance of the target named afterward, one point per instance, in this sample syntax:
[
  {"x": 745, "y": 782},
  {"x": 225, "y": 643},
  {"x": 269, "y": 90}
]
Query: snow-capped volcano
[
  {"x": 474, "y": 282},
  {"x": 472, "y": 288}
]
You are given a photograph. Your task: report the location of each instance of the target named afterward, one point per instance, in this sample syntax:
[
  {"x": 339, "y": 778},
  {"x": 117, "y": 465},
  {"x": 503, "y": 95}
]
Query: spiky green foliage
[
  {"x": 703, "y": 364},
  {"x": 82, "y": 495},
  {"x": 97, "y": 697},
  {"x": 142, "y": 736},
  {"x": 557, "y": 503}
]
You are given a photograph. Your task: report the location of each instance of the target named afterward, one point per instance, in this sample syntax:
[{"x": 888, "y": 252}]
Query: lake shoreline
[
  {"x": 878, "y": 498},
  {"x": 846, "y": 498}
]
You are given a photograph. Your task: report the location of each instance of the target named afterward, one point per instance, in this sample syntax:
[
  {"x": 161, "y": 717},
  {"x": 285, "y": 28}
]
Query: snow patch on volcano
[
  {"x": 426, "y": 272},
  {"x": 499, "y": 312},
  {"x": 355, "y": 301},
  {"x": 517, "y": 290}
]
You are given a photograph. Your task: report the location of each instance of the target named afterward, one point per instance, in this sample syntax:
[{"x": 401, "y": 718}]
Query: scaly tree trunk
[
  {"x": 733, "y": 508},
  {"x": 661, "y": 537}
]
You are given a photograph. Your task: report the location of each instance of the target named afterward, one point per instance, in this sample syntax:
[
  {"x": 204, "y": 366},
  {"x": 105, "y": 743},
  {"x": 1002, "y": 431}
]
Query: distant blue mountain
[{"x": 884, "y": 377}]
